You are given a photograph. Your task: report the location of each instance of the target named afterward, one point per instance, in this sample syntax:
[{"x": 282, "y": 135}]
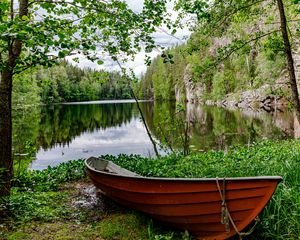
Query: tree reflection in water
[
  {"x": 60, "y": 124},
  {"x": 117, "y": 128}
]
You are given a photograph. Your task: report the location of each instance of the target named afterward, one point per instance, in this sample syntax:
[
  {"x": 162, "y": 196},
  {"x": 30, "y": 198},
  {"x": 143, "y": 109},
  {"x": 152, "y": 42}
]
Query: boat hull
[{"x": 189, "y": 204}]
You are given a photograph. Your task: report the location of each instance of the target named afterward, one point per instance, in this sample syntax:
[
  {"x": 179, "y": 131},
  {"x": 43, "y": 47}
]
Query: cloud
[
  {"x": 161, "y": 37},
  {"x": 129, "y": 138}
]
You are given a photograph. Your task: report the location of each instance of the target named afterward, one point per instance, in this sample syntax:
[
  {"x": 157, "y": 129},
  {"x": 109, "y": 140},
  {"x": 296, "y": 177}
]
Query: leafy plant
[
  {"x": 280, "y": 218},
  {"x": 50, "y": 178}
]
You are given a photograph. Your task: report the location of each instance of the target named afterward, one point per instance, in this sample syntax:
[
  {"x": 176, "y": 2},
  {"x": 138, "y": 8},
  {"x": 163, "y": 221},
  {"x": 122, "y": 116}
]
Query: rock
[
  {"x": 209, "y": 102},
  {"x": 194, "y": 91},
  {"x": 264, "y": 98},
  {"x": 267, "y": 97},
  {"x": 179, "y": 95}
]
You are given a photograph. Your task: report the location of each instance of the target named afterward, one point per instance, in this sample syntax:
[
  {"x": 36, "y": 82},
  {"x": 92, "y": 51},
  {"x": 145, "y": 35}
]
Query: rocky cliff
[{"x": 268, "y": 97}]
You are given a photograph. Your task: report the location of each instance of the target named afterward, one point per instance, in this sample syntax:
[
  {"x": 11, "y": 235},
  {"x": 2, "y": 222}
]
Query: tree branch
[
  {"x": 223, "y": 18},
  {"x": 169, "y": 34},
  {"x": 292, "y": 20},
  {"x": 65, "y": 2},
  {"x": 12, "y": 9},
  {"x": 245, "y": 43},
  {"x": 37, "y": 62},
  {"x": 216, "y": 63},
  {"x": 239, "y": 9},
  {"x": 141, "y": 112}
]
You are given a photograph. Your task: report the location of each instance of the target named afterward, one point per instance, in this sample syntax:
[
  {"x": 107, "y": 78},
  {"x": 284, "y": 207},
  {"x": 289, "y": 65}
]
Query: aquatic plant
[
  {"x": 50, "y": 178},
  {"x": 280, "y": 219}
]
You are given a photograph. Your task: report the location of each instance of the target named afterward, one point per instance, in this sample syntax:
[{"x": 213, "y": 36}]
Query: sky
[{"x": 161, "y": 37}]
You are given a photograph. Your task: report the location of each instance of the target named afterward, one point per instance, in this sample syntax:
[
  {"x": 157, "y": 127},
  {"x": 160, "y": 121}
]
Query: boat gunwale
[{"x": 278, "y": 178}]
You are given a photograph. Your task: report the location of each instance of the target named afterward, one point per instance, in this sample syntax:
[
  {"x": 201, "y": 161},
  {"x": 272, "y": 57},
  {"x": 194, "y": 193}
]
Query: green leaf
[
  {"x": 61, "y": 36},
  {"x": 49, "y": 42},
  {"x": 61, "y": 54},
  {"x": 100, "y": 62},
  {"x": 4, "y": 6},
  {"x": 25, "y": 18}
]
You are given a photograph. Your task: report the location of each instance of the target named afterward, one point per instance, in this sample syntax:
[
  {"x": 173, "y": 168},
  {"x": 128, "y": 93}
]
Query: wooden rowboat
[{"x": 210, "y": 208}]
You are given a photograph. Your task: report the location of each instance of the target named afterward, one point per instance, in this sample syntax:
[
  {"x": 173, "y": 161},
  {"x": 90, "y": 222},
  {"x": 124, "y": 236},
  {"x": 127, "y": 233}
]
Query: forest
[
  {"x": 67, "y": 83},
  {"x": 245, "y": 53}
]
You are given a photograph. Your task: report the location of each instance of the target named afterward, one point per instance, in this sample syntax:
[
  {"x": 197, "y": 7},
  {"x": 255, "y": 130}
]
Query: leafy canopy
[{"x": 56, "y": 29}]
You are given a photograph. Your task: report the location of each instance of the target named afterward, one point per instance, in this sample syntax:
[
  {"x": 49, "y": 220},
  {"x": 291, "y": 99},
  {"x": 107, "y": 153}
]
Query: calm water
[{"x": 50, "y": 135}]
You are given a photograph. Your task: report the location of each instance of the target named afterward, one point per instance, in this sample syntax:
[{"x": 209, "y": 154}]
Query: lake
[{"x": 49, "y": 135}]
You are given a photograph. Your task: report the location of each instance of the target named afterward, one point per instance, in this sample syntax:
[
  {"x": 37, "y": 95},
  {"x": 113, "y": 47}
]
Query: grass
[
  {"x": 263, "y": 158},
  {"x": 121, "y": 226},
  {"x": 55, "y": 212},
  {"x": 50, "y": 178},
  {"x": 42, "y": 198},
  {"x": 46, "y": 206},
  {"x": 281, "y": 218},
  {"x": 117, "y": 226}
]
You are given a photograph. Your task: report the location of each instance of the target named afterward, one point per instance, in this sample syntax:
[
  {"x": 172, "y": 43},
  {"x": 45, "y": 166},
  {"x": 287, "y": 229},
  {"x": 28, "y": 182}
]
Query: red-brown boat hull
[{"x": 189, "y": 204}]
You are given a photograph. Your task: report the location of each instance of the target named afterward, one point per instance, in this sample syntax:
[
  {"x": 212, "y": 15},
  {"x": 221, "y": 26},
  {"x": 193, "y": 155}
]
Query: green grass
[
  {"x": 122, "y": 226},
  {"x": 34, "y": 197},
  {"x": 35, "y": 206},
  {"x": 118, "y": 226},
  {"x": 50, "y": 178},
  {"x": 263, "y": 158},
  {"x": 281, "y": 218}
]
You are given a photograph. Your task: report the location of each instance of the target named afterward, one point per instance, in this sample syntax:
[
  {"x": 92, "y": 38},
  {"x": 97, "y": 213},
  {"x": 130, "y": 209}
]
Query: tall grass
[{"x": 281, "y": 218}]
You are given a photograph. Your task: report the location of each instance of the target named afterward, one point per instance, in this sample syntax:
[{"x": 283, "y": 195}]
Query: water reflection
[
  {"x": 215, "y": 128},
  {"x": 62, "y": 132},
  {"x": 223, "y": 128},
  {"x": 81, "y": 130},
  {"x": 128, "y": 138},
  {"x": 61, "y": 124}
]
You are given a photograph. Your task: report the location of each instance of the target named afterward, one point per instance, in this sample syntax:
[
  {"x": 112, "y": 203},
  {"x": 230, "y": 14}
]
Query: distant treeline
[{"x": 68, "y": 83}]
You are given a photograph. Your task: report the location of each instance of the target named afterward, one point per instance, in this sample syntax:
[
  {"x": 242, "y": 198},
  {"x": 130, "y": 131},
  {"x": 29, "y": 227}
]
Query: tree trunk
[
  {"x": 289, "y": 57},
  {"x": 6, "y": 162},
  {"x": 144, "y": 121}
]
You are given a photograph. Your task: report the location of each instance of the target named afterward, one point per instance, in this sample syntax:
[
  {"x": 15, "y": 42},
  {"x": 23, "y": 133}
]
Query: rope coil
[{"x": 226, "y": 218}]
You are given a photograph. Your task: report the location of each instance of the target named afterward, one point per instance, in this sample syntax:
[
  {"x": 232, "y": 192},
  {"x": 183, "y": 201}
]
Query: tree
[
  {"x": 289, "y": 57},
  {"x": 39, "y": 32}
]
